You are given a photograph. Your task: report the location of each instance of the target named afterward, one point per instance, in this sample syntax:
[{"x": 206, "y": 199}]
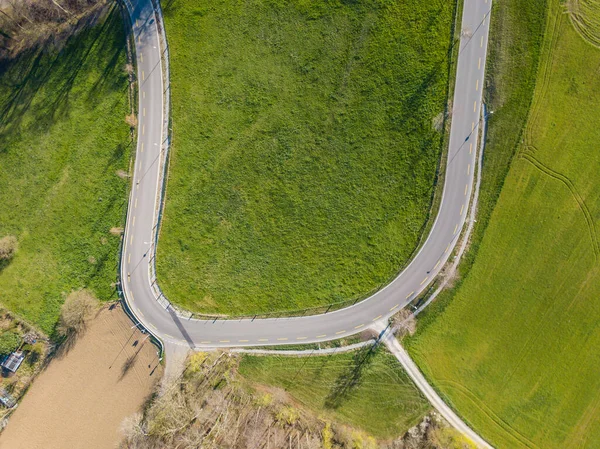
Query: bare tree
[
  {"x": 78, "y": 308},
  {"x": 131, "y": 120}
]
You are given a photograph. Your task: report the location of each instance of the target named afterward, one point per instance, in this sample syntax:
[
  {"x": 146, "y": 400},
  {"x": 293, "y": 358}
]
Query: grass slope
[
  {"x": 366, "y": 389},
  {"x": 304, "y": 151},
  {"x": 524, "y": 371},
  {"x": 62, "y": 138}
]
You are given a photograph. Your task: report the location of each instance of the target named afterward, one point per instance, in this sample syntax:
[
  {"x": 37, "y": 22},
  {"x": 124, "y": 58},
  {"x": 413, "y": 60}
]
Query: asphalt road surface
[{"x": 154, "y": 311}]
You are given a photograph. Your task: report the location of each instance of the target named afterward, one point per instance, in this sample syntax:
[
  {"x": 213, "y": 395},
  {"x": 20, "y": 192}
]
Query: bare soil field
[{"x": 82, "y": 397}]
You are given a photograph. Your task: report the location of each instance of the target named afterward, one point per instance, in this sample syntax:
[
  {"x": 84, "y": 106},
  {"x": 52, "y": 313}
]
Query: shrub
[
  {"x": 78, "y": 308},
  {"x": 8, "y": 247},
  {"x": 404, "y": 323},
  {"x": 9, "y": 342},
  {"x": 131, "y": 120}
]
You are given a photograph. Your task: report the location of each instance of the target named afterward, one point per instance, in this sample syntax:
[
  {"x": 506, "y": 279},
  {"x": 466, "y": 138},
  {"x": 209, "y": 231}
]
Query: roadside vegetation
[
  {"x": 62, "y": 141},
  {"x": 225, "y": 401},
  {"x": 306, "y": 141},
  {"x": 524, "y": 371}
]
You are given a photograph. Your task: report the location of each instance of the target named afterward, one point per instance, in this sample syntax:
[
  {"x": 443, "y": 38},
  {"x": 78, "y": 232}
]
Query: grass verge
[
  {"x": 304, "y": 149},
  {"x": 63, "y": 140},
  {"x": 524, "y": 370}
]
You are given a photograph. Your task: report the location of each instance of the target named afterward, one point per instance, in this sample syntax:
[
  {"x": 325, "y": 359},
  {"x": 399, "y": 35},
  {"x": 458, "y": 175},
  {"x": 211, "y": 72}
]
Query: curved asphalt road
[{"x": 155, "y": 313}]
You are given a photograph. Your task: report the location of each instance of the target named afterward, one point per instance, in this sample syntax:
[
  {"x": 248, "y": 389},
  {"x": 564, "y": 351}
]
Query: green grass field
[
  {"x": 365, "y": 389},
  {"x": 62, "y": 139},
  {"x": 304, "y": 151},
  {"x": 515, "y": 350}
]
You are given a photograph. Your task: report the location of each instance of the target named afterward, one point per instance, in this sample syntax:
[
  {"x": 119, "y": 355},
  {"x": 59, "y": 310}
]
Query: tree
[
  {"x": 9, "y": 342},
  {"x": 78, "y": 308},
  {"x": 8, "y": 247}
]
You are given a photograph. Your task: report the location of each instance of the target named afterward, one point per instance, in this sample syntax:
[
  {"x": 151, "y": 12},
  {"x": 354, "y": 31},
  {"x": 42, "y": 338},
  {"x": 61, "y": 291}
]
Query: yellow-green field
[{"x": 516, "y": 349}]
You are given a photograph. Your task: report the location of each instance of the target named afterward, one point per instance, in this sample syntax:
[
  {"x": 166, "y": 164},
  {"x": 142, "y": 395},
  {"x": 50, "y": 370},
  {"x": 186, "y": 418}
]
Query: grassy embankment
[
  {"x": 344, "y": 401},
  {"x": 62, "y": 140},
  {"x": 304, "y": 148},
  {"x": 524, "y": 369},
  {"x": 367, "y": 389}
]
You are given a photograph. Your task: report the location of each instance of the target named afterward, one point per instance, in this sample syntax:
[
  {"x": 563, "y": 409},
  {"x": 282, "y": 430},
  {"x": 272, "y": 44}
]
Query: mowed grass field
[
  {"x": 304, "y": 152},
  {"x": 62, "y": 139},
  {"x": 516, "y": 349},
  {"x": 366, "y": 389}
]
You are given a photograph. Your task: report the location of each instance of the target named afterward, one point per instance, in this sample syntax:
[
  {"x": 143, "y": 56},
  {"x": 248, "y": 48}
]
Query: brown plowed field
[{"x": 81, "y": 399}]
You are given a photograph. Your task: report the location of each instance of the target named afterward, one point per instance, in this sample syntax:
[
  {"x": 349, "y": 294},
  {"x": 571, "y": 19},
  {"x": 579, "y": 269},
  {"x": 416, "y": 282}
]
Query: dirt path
[{"x": 81, "y": 399}]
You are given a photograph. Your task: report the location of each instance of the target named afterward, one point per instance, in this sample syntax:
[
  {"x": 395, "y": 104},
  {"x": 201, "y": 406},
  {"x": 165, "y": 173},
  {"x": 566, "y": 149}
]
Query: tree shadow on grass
[
  {"x": 351, "y": 377},
  {"x": 41, "y": 80},
  {"x": 3, "y": 264}
]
